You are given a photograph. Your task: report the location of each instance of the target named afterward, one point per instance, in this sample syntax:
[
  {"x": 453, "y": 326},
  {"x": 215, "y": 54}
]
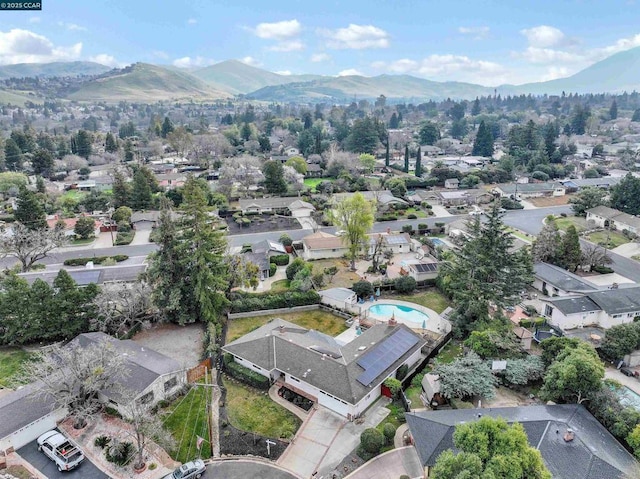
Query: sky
[{"x": 489, "y": 42}]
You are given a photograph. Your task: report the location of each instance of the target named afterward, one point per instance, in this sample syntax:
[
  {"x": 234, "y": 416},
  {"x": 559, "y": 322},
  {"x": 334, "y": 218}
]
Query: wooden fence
[{"x": 199, "y": 371}]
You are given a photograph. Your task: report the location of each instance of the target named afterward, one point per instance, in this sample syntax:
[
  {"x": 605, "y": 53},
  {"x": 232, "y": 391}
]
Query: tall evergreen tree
[
  {"x": 570, "y": 251},
  {"x": 42, "y": 162},
  {"x": 394, "y": 123},
  {"x": 386, "y": 154},
  {"x": 274, "y": 177},
  {"x": 406, "y": 159},
  {"x": 110, "y": 143},
  {"x": 613, "y": 111},
  {"x": 30, "y": 211},
  {"x": 475, "y": 109},
  {"x": 12, "y": 155},
  {"x": 141, "y": 192},
  {"x": 83, "y": 143},
  {"x": 121, "y": 190},
  {"x": 419, "y": 163},
  {"x": 546, "y": 247},
  {"x": 167, "y": 127},
  {"x": 429, "y": 133},
  {"x": 483, "y": 144},
  {"x": 625, "y": 196}
]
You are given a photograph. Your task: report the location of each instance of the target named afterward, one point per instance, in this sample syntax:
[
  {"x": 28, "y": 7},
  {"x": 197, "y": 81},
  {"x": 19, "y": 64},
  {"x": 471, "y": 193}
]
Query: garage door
[{"x": 32, "y": 431}]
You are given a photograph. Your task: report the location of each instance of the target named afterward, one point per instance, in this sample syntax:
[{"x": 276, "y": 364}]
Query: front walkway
[{"x": 391, "y": 465}]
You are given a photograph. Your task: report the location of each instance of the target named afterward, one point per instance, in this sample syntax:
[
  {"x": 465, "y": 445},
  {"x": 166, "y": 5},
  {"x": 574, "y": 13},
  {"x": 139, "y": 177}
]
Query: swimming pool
[
  {"x": 628, "y": 397},
  {"x": 437, "y": 242},
  {"x": 385, "y": 311}
]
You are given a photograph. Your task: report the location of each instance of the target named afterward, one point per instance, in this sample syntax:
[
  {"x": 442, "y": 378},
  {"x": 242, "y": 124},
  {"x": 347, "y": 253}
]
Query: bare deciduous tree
[
  {"x": 120, "y": 306},
  {"x": 594, "y": 255},
  {"x": 29, "y": 246},
  {"x": 74, "y": 375}
]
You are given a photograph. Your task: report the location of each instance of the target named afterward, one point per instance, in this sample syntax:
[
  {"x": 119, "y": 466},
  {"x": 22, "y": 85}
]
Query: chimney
[
  {"x": 393, "y": 321},
  {"x": 281, "y": 329},
  {"x": 388, "y": 230},
  {"x": 569, "y": 435}
]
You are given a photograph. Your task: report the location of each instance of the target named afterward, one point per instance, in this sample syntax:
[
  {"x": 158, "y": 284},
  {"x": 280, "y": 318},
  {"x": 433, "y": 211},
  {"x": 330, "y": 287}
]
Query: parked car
[
  {"x": 65, "y": 453},
  {"x": 626, "y": 371},
  {"x": 189, "y": 470}
]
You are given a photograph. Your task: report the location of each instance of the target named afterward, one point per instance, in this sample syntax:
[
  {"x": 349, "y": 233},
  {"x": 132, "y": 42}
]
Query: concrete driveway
[
  {"x": 86, "y": 470},
  {"x": 627, "y": 250},
  {"x": 141, "y": 237},
  {"x": 391, "y": 465}
]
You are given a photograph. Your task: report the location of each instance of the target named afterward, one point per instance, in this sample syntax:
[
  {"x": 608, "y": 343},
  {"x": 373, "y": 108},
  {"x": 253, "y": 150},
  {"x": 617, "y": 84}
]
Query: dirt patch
[
  {"x": 508, "y": 398},
  {"x": 262, "y": 224},
  {"x": 182, "y": 343},
  {"x": 550, "y": 201},
  {"x": 344, "y": 278}
]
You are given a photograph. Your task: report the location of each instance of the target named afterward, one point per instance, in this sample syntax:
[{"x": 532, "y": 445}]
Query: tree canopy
[
  {"x": 355, "y": 216},
  {"x": 465, "y": 377},
  {"x": 625, "y": 196}
]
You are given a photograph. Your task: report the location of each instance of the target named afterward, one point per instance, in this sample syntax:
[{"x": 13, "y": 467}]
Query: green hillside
[
  {"x": 145, "y": 82},
  {"x": 55, "y": 69},
  {"x": 8, "y": 97},
  {"x": 235, "y": 77}
]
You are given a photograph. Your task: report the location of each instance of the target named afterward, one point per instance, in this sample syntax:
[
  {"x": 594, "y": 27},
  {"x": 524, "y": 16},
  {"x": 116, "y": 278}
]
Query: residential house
[
  {"x": 171, "y": 181},
  {"x": 146, "y": 220},
  {"x": 291, "y": 151},
  {"x": 524, "y": 337},
  {"x": 321, "y": 245},
  {"x": 573, "y": 444},
  {"x": 301, "y": 209},
  {"x": 552, "y": 280},
  {"x": 346, "y": 378},
  {"x": 606, "y": 217},
  {"x": 419, "y": 270},
  {"x": 313, "y": 170},
  {"x": 266, "y": 205},
  {"x": 605, "y": 183},
  {"x": 383, "y": 198},
  {"x": 261, "y": 253},
  {"x": 464, "y": 197},
  {"x": 529, "y": 190},
  {"x": 452, "y": 183},
  {"x": 69, "y": 224},
  {"x": 92, "y": 274},
  {"x": 152, "y": 376},
  {"x": 340, "y": 298},
  {"x": 395, "y": 243},
  {"x": 431, "y": 151},
  {"x": 600, "y": 308}
]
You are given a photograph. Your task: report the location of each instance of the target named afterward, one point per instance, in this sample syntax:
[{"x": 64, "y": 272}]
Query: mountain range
[{"x": 146, "y": 82}]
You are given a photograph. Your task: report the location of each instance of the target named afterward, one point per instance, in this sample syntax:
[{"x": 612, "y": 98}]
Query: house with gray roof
[
  {"x": 573, "y": 444},
  {"x": 275, "y": 204},
  {"x": 604, "y": 308},
  {"x": 552, "y": 280},
  {"x": 152, "y": 376},
  {"x": 346, "y": 378},
  {"x": 606, "y": 217},
  {"x": 529, "y": 190},
  {"x": 340, "y": 298}
]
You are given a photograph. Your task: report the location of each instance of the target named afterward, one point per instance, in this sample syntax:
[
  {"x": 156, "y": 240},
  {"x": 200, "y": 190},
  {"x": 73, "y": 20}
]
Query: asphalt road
[
  {"x": 86, "y": 470},
  {"x": 243, "y": 469}
]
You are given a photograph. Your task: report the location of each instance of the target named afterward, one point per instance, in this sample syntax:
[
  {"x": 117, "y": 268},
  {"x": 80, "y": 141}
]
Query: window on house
[
  {"x": 257, "y": 367},
  {"x": 170, "y": 384},
  {"x": 548, "y": 310},
  {"x": 616, "y": 316},
  {"x": 294, "y": 379},
  {"x": 147, "y": 398}
]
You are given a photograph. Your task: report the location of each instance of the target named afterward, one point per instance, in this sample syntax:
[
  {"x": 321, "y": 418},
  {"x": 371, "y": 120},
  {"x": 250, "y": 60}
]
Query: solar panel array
[
  {"x": 376, "y": 361},
  {"x": 396, "y": 239},
  {"x": 425, "y": 267}
]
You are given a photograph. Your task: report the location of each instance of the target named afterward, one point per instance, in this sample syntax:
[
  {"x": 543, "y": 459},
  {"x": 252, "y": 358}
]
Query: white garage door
[{"x": 32, "y": 431}]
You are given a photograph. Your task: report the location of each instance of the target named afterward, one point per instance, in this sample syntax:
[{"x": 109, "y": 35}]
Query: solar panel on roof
[
  {"x": 376, "y": 361},
  {"x": 426, "y": 267},
  {"x": 396, "y": 240}
]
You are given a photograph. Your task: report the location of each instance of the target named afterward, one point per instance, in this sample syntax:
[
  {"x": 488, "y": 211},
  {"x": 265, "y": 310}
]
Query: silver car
[{"x": 189, "y": 470}]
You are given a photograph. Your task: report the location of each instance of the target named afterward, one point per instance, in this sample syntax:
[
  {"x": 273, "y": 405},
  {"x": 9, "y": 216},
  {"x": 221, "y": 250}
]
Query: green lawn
[
  {"x": 74, "y": 194},
  {"x": 564, "y": 223},
  {"x": 313, "y": 182},
  {"x": 186, "y": 418},
  {"x": 615, "y": 239},
  {"x": 11, "y": 360},
  {"x": 317, "y": 319},
  {"x": 280, "y": 286},
  {"x": 253, "y": 411},
  {"x": 450, "y": 352},
  {"x": 431, "y": 298},
  {"x": 78, "y": 242},
  {"x": 415, "y": 211},
  {"x": 520, "y": 234}
]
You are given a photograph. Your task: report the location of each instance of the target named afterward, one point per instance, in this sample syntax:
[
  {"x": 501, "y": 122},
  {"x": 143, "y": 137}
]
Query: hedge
[
  {"x": 96, "y": 260},
  {"x": 246, "y": 302},
  {"x": 272, "y": 269},
  {"x": 124, "y": 238},
  {"x": 387, "y": 217},
  {"x": 246, "y": 375},
  {"x": 280, "y": 259}
]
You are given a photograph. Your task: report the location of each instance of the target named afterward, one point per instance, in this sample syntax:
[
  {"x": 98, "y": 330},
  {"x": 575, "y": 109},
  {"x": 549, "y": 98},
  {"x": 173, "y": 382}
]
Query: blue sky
[{"x": 483, "y": 41}]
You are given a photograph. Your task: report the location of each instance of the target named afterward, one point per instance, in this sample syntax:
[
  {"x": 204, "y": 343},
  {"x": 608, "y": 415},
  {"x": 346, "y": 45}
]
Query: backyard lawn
[
  {"x": 343, "y": 279},
  {"x": 186, "y": 418},
  {"x": 11, "y": 360},
  {"x": 280, "y": 286},
  {"x": 316, "y": 319},
  {"x": 615, "y": 239},
  {"x": 253, "y": 411},
  {"x": 450, "y": 352},
  {"x": 431, "y": 298},
  {"x": 564, "y": 223},
  {"x": 74, "y": 194},
  {"x": 313, "y": 182}
]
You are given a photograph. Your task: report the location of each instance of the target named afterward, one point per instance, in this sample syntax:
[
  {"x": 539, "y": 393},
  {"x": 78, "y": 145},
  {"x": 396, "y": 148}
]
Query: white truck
[{"x": 60, "y": 450}]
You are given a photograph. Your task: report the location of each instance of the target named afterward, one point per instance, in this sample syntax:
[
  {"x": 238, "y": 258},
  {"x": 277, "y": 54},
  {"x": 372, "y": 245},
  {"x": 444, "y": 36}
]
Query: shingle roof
[
  {"x": 594, "y": 453},
  {"x": 510, "y": 188},
  {"x": 321, "y": 240},
  {"x": 573, "y": 305},
  {"x": 273, "y": 202},
  {"x": 19, "y": 408},
  {"x": 561, "y": 278},
  {"x": 97, "y": 275},
  {"x": 619, "y": 300},
  {"x": 604, "y": 212},
  {"x": 338, "y": 294},
  {"x": 294, "y": 350}
]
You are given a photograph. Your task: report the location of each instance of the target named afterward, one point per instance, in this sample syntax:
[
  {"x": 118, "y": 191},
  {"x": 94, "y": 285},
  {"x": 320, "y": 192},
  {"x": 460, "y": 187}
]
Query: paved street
[
  {"x": 246, "y": 468},
  {"x": 391, "y": 465},
  {"x": 86, "y": 470}
]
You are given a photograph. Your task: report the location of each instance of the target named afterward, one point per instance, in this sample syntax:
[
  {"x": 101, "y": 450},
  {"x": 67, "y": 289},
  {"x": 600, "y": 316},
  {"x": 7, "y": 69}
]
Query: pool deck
[
  {"x": 435, "y": 323},
  {"x": 630, "y": 382}
]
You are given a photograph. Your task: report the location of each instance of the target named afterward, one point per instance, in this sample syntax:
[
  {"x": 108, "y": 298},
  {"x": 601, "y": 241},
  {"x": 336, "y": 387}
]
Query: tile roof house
[
  {"x": 321, "y": 245},
  {"x": 605, "y": 308},
  {"x": 593, "y": 453},
  {"x": 152, "y": 376},
  {"x": 344, "y": 378}
]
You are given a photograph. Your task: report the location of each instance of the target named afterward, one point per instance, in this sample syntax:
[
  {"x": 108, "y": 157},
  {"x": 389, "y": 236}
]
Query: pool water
[
  {"x": 406, "y": 313},
  {"x": 628, "y": 397},
  {"x": 437, "y": 242}
]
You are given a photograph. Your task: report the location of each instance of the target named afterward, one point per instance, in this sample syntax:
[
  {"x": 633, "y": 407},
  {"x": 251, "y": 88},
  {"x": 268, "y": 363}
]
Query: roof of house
[
  {"x": 299, "y": 204},
  {"x": 390, "y": 239},
  {"x": 259, "y": 259},
  {"x": 522, "y": 333},
  {"x": 604, "y": 181},
  {"x": 593, "y": 453},
  {"x": 152, "y": 215},
  {"x": 627, "y": 219},
  {"x": 561, "y": 278},
  {"x": 574, "y": 304},
  {"x": 313, "y": 167},
  {"x": 97, "y": 275},
  {"x": 321, "y": 240},
  {"x": 383, "y": 197},
  {"x": 266, "y": 246},
  {"x": 337, "y": 294},
  {"x": 319, "y": 360},
  {"x": 22, "y": 407},
  {"x": 604, "y": 212},
  {"x": 618, "y": 300},
  {"x": 423, "y": 267},
  {"x": 452, "y": 181},
  {"x": 272, "y": 202},
  {"x": 510, "y": 188}
]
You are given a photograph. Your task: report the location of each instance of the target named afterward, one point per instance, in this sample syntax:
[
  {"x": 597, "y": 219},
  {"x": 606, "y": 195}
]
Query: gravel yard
[{"x": 182, "y": 343}]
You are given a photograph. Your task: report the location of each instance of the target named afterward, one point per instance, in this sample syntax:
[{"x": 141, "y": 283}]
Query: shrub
[
  {"x": 295, "y": 266},
  {"x": 407, "y": 229},
  {"x": 120, "y": 453},
  {"x": 602, "y": 269},
  {"x": 124, "y": 238},
  {"x": 286, "y": 240},
  {"x": 272, "y": 269},
  {"x": 246, "y": 302},
  {"x": 404, "y": 284},
  {"x": 101, "y": 441},
  {"x": 372, "y": 440},
  {"x": 412, "y": 216},
  {"x": 402, "y": 371},
  {"x": 280, "y": 259},
  {"x": 96, "y": 260},
  {"x": 389, "y": 431},
  {"x": 387, "y": 217},
  {"x": 394, "y": 385},
  {"x": 152, "y": 466},
  {"x": 363, "y": 289},
  {"x": 422, "y": 227},
  {"x": 246, "y": 375}
]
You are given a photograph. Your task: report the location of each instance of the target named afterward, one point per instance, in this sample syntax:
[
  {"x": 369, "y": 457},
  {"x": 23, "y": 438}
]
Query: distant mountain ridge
[{"x": 55, "y": 69}]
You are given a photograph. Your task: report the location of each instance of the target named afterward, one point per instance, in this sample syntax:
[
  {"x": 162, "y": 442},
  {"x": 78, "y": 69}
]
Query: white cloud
[
  {"x": 288, "y": 46},
  {"x": 478, "y": 33},
  {"x": 24, "y": 46},
  {"x": 356, "y": 37},
  {"x": 320, "y": 57},
  {"x": 189, "y": 62},
  {"x": 618, "y": 46},
  {"x": 278, "y": 30},
  {"x": 349, "y": 72},
  {"x": 549, "y": 55},
  {"x": 72, "y": 27},
  {"x": 192, "y": 21},
  {"x": 105, "y": 59},
  {"x": 160, "y": 54},
  {"x": 251, "y": 61},
  {"x": 34, "y": 20},
  {"x": 543, "y": 36},
  {"x": 554, "y": 73},
  {"x": 284, "y": 72}
]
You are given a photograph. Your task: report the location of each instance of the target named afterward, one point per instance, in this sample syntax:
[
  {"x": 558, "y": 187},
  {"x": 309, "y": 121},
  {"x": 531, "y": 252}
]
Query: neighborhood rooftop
[{"x": 561, "y": 278}]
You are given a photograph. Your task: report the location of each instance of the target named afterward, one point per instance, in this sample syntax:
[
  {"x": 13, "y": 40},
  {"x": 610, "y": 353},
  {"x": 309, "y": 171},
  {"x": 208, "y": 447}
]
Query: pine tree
[
  {"x": 110, "y": 144},
  {"x": 613, "y": 111},
  {"x": 475, "y": 109},
  {"x": 274, "y": 177},
  {"x": 30, "y": 211},
  {"x": 83, "y": 142},
  {"x": 121, "y": 190},
  {"x": 571, "y": 253},
  {"x": 167, "y": 127},
  {"x": 12, "y": 155},
  {"x": 42, "y": 162},
  {"x": 546, "y": 247},
  {"x": 386, "y": 154},
  {"x": 419, "y": 163},
  {"x": 141, "y": 191},
  {"x": 406, "y": 159},
  {"x": 483, "y": 144}
]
